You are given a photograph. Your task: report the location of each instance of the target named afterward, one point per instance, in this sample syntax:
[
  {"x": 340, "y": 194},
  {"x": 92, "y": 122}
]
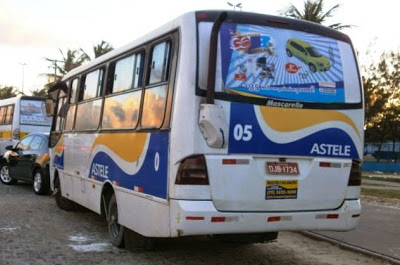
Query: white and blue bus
[
  {"x": 20, "y": 116},
  {"x": 217, "y": 123}
]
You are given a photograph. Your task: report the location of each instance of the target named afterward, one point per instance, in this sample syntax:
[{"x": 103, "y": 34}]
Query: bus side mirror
[
  {"x": 9, "y": 148},
  {"x": 49, "y": 107}
]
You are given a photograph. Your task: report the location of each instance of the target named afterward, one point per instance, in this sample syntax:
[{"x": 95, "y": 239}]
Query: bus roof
[{"x": 210, "y": 15}]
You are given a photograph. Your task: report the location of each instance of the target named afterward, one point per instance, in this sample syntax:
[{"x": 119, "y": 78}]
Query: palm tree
[
  {"x": 39, "y": 92},
  {"x": 102, "y": 48},
  {"x": 8, "y": 92},
  {"x": 314, "y": 11},
  {"x": 70, "y": 60}
]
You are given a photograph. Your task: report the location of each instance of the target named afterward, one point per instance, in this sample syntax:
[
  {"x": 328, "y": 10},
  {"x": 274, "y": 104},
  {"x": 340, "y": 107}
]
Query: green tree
[
  {"x": 8, "y": 92},
  {"x": 39, "y": 92},
  {"x": 314, "y": 11},
  {"x": 381, "y": 83},
  {"x": 70, "y": 60},
  {"x": 102, "y": 48}
]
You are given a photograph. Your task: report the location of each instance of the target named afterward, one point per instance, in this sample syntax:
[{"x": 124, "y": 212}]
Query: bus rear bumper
[{"x": 201, "y": 218}]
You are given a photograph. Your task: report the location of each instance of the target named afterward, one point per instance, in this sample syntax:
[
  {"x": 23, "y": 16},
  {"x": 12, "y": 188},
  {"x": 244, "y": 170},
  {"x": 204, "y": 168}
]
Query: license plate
[{"x": 282, "y": 168}]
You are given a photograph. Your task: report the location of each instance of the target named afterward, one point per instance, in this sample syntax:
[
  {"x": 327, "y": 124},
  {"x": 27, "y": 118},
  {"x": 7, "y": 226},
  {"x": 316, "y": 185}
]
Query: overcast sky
[{"x": 32, "y": 30}]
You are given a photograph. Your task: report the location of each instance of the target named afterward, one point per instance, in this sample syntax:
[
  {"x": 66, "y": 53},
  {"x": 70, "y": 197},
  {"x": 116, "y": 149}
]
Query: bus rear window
[
  {"x": 33, "y": 112},
  {"x": 283, "y": 64}
]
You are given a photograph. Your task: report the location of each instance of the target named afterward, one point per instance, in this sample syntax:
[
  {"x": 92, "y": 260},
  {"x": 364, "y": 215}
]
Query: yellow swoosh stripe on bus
[
  {"x": 8, "y": 134},
  {"x": 59, "y": 146},
  {"x": 237, "y": 92},
  {"x": 288, "y": 120},
  {"x": 128, "y": 146}
]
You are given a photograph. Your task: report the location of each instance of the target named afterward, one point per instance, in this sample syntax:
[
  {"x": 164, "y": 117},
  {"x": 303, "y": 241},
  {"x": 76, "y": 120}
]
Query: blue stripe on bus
[
  {"x": 261, "y": 144},
  {"x": 152, "y": 176}
]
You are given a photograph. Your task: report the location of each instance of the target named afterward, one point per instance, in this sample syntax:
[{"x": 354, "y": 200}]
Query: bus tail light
[
  {"x": 192, "y": 171},
  {"x": 355, "y": 174},
  {"x": 16, "y": 134}
]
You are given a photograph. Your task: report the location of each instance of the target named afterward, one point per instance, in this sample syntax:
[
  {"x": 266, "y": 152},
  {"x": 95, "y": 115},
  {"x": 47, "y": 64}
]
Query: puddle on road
[
  {"x": 94, "y": 247},
  {"x": 83, "y": 244},
  {"x": 8, "y": 229}
]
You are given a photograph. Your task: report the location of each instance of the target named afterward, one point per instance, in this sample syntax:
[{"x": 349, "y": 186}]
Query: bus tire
[
  {"x": 40, "y": 182},
  {"x": 63, "y": 203},
  {"x": 5, "y": 177},
  {"x": 115, "y": 230}
]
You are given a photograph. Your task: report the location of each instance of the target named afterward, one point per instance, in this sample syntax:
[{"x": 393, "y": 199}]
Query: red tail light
[
  {"x": 355, "y": 174},
  {"x": 192, "y": 171}
]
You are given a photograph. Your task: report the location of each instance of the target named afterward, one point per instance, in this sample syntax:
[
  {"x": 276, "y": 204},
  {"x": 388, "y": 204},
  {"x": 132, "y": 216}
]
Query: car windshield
[{"x": 313, "y": 52}]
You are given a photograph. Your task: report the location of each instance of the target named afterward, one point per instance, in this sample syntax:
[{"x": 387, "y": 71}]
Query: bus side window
[
  {"x": 70, "y": 115},
  {"x": 160, "y": 63},
  {"x": 61, "y": 113},
  {"x": 156, "y": 95},
  {"x": 2, "y": 114},
  {"x": 9, "y": 115},
  {"x": 93, "y": 84},
  {"x": 121, "y": 111},
  {"x": 73, "y": 91},
  {"x": 88, "y": 113}
]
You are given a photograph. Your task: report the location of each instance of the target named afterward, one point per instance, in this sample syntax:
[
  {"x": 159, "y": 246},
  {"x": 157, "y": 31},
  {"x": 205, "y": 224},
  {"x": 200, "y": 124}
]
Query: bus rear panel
[{"x": 291, "y": 102}]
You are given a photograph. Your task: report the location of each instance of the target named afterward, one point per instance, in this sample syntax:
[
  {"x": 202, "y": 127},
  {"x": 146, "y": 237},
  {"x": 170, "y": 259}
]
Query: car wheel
[
  {"x": 289, "y": 53},
  {"x": 5, "y": 175},
  {"x": 312, "y": 68},
  {"x": 63, "y": 203},
  {"x": 115, "y": 230},
  {"x": 40, "y": 182}
]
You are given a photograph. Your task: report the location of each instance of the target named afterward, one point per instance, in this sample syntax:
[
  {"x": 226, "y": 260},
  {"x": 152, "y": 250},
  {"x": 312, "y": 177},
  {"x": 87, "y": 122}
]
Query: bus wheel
[
  {"x": 40, "y": 183},
  {"x": 63, "y": 203},
  {"x": 115, "y": 230},
  {"x": 5, "y": 175}
]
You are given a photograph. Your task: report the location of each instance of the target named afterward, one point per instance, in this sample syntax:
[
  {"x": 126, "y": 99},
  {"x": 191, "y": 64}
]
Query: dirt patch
[{"x": 378, "y": 201}]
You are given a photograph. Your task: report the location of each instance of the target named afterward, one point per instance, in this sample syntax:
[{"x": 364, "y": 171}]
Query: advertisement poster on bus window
[
  {"x": 266, "y": 62},
  {"x": 33, "y": 112}
]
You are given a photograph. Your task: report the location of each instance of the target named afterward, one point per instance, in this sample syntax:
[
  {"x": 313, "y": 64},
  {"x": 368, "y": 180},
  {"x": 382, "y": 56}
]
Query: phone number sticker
[{"x": 281, "y": 189}]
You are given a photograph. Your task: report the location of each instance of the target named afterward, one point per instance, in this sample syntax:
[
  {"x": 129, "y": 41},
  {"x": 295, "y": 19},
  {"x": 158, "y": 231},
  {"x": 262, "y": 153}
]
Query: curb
[{"x": 350, "y": 247}]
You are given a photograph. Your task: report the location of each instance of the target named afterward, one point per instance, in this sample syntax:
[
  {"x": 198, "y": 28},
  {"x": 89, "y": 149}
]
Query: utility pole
[
  {"x": 23, "y": 75},
  {"x": 54, "y": 61}
]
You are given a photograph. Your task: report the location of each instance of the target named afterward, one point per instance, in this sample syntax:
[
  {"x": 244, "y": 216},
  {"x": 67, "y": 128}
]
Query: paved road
[
  {"x": 378, "y": 231},
  {"x": 33, "y": 231}
]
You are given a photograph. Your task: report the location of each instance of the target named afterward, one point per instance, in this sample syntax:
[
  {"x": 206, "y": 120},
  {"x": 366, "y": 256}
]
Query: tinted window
[
  {"x": 88, "y": 115},
  {"x": 2, "y": 114},
  {"x": 61, "y": 113},
  {"x": 122, "y": 111},
  {"x": 69, "y": 122},
  {"x": 9, "y": 114},
  {"x": 93, "y": 84},
  {"x": 123, "y": 75},
  {"x": 138, "y": 71},
  {"x": 154, "y": 106},
  {"x": 73, "y": 91},
  {"x": 159, "y": 63},
  {"x": 298, "y": 47}
]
